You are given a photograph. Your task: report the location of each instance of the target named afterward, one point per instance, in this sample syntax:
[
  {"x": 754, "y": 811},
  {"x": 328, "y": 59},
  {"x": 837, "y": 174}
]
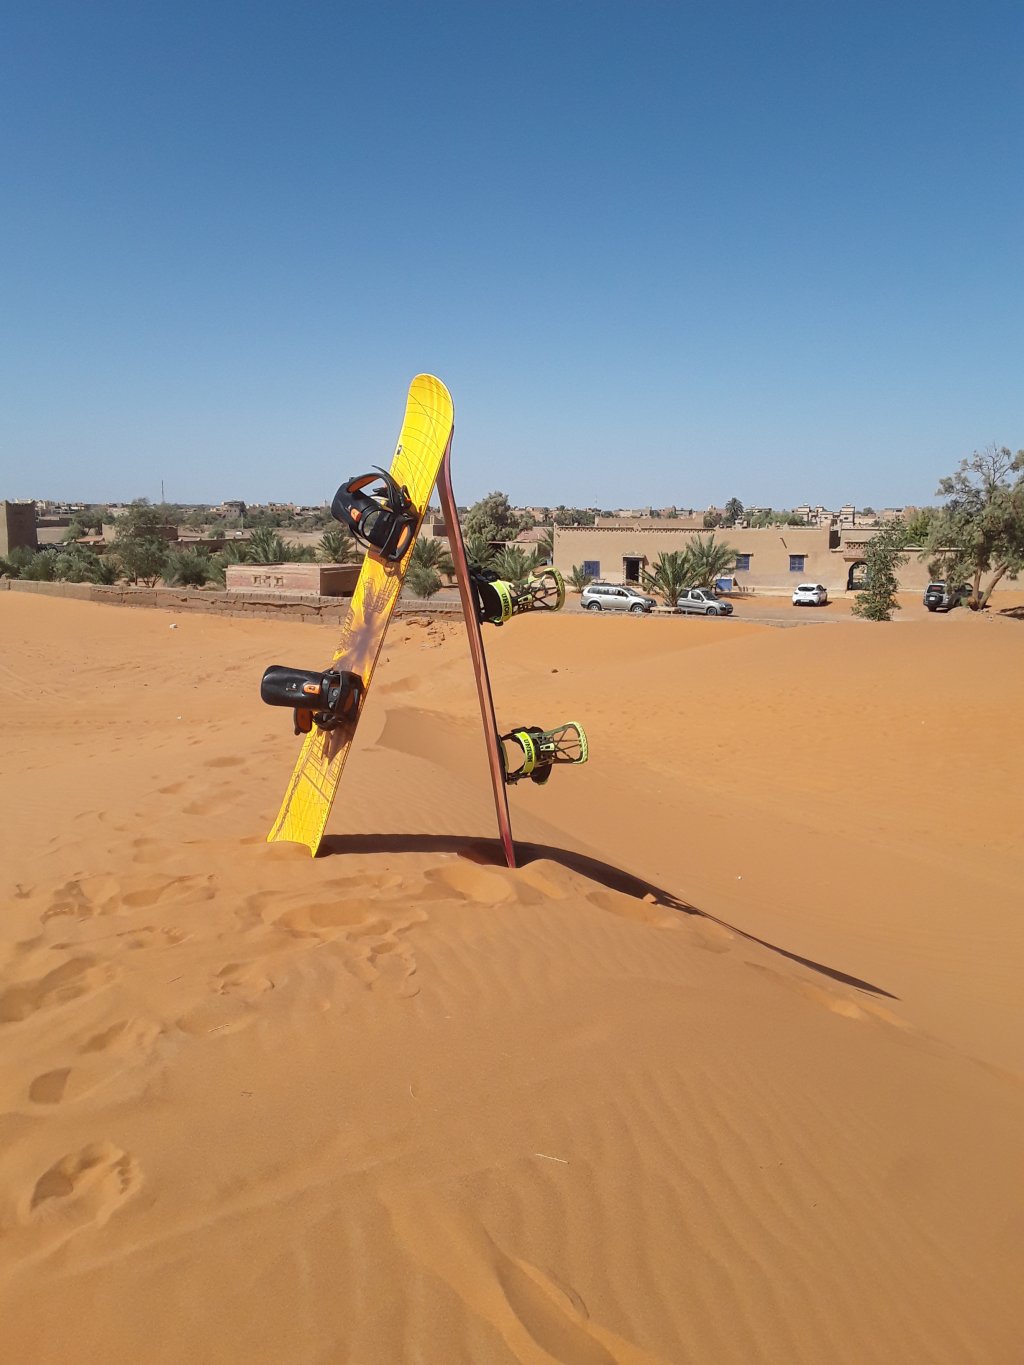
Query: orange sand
[{"x": 730, "y": 1071}]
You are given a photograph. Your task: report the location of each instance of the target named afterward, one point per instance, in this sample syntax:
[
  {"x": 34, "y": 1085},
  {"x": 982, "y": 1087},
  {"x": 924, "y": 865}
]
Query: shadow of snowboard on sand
[{"x": 490, "y": 853}]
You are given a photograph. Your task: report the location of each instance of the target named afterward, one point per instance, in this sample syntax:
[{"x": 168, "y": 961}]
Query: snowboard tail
[{"x": 423, "y": 445}]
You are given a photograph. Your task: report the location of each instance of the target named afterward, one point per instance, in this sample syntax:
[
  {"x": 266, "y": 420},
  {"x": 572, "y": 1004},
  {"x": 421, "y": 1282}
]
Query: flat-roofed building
[{"x": 771, "y": 559}]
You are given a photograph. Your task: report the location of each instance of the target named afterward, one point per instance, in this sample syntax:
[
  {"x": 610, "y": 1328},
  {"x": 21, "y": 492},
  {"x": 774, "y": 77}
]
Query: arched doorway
[{"x": 857, "y": 578}]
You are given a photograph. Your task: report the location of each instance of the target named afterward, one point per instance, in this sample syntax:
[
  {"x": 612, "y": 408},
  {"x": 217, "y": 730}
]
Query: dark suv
[{"x": 941, "y": 597}]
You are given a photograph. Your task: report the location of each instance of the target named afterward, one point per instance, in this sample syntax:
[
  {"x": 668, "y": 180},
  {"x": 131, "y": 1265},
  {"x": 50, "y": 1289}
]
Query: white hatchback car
[{"x": 810, "y": 595}]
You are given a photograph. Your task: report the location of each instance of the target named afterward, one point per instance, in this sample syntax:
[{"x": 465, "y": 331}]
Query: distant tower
[{"x": 17, "y": 526}]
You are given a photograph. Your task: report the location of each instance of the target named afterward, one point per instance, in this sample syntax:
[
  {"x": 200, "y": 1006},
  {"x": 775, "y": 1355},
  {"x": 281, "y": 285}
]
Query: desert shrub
[{"x": 423, "y": 581}]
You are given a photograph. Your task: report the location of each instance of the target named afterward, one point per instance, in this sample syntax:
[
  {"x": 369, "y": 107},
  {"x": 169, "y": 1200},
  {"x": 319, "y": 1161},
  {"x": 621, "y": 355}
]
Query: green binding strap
[
  {"x": 503, "y": 591},
  {"x": 529, "y": 749}
]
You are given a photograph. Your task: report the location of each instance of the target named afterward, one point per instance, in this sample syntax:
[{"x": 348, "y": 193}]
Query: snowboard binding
[
  {"x": 326, "y": 700},
  {"x": 497, "y": 600},
  {"x": 383, "y": 520},
  {"x": 539, "y": 751}
]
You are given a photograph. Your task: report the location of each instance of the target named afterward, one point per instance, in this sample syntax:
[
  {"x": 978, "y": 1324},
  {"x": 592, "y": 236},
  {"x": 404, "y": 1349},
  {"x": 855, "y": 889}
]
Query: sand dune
[{"x": 729, "y": 1071}]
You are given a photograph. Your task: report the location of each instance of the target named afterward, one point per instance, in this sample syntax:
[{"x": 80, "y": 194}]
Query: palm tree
[
  {"x": 336, "y": 546},
  {"x": 234, "y": 552},
  {"x": 578, "y": 579},
  {"x": 188, "y": 568},
  {"x": 108, "y": 570},
  {"x": 709, "y": 561},
  {"x": 266, "y": 547},
  {"x": 546, "y": 545},
  {"x": 513, "y": 564},
  {"x": 431, "y": 553},
  {"x": 479, "y": 550},
  {"x": 670, "y": 576}
]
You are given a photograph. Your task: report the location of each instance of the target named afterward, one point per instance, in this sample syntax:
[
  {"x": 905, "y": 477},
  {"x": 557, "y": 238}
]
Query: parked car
[
  {"x": 703, "y": 602},
  {"x": 941, "y": 597},
  {"x": 614, "y": 597},
  {"x": 810, "y": 595}
]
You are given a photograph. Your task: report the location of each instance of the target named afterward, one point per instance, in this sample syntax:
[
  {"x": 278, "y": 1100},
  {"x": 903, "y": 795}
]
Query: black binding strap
[{"x": 383, "y": 520}]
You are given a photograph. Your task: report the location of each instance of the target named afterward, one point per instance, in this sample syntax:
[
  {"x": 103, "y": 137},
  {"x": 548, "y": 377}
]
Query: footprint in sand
[
  {"x": 84, "y": 897},
  {"x": 49, "y": 1088},
  {"x": 217, "y": 1014},
  {"x": 83, "y": 1189},
  {"x": 149, "y": 936},
  {"x": 246, "y": 980},
  {"x": 72, "y": 979},
  {"x": 381, "y": 960},
  {"x": 124, "y": 1035},
  {"x": 470, "y": 882},
  {"x": 210, "y": 804}
]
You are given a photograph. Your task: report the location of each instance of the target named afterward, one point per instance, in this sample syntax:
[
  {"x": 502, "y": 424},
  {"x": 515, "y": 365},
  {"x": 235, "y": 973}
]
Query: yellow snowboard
[{"x": 425, "y": 437}]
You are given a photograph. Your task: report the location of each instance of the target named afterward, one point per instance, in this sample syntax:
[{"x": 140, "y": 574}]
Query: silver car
[
  {"x": 703, "y": 602},
  {"x": 614, "y": 597}
]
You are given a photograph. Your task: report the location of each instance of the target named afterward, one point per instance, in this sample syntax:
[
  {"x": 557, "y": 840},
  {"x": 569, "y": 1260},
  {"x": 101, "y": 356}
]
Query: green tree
[
  {"x": 711, "y": 520},
  {"x": 188, "y": 568},
  {"x": 479, "y": 550},
  {"x": 919, "y": 525},
  {"x": 546, "y": 546},
  {"x": 234, "y": 552},
  {"x": 671, "y": 574},
  {"x": 578, "y": 580},
  {"x": 108, "y": 570},
  {"x": 980, "y": 529},
  {"x": 733, "y": 512},
  {"x": 883, "y": 556},
  {"x": 575, "y": 516},
  {"x": 76, "y": 564},
  {"x": 710, "y": 560},
  {"x": 139, "y": 544},
  {"x": 513, "y": 564},
  {"x": 336, "y": 546},
  {"x": 267, "y": 547},
  {"x": 494, "y": 518},
  {"x": 432, "y": 553},
  {"x": 18, "y": 560},
  {"x": 77, "y": 527},
  {"x": 41, "y": 567},
  {"x": 423, "y": 580}
]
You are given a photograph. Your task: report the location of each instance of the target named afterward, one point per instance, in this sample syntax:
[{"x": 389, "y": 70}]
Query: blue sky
[{"x": 659, "y": 252}]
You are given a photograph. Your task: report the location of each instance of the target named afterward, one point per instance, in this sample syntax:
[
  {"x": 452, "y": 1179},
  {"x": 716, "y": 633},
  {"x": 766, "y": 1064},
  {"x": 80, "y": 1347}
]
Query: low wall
[{"x": 294, "y": 607}]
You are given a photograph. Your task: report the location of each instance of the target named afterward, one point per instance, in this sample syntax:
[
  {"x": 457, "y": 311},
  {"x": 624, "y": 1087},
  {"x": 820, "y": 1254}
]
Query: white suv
[
  {"x": 611, "y": 597},
  {"x": 810, "y": 595}
]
